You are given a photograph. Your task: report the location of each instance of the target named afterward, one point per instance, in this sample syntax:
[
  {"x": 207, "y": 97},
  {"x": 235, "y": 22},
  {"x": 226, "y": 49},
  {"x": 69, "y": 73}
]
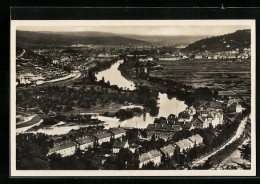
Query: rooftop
[
  {"x": 149, "y": 155},
  {"x": 167, "y": 149},
  {"x": 118, "y": 144},
  {"x": 196, "y": 138},
  {"x": 62, "y": 145},
  {"x": 102, "y": 135},
  {"x": 164, "y": 127},
  {"x": 84, "y": 140},
  {"x": 116, "y": 131},
  {"x": 185, "y": 143}
]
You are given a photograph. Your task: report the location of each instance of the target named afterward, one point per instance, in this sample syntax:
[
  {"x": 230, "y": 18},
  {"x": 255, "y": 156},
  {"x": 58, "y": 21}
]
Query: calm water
[
  {"x": 113, "y": 75},
  {"x": 166, "y": 106}
]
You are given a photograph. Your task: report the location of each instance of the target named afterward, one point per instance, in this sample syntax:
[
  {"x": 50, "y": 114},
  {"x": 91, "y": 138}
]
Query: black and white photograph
[{"x": 133, "y": 98}]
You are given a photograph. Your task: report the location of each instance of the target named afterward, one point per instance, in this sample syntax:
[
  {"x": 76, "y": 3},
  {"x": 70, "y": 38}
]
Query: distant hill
[
  {"x": 170, "y": 40},
  {"x": 27, "y": 39},
  {"x": 239, "y": 39}
]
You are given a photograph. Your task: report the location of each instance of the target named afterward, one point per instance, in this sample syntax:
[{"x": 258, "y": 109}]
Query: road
[
  {"x": 72, "y": 76},
  {"x": 239, "y": 132},
  {"x": 21, "y": 55}
]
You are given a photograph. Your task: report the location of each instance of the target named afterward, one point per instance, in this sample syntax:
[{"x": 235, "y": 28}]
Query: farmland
[{"x": 228, "y": 77}]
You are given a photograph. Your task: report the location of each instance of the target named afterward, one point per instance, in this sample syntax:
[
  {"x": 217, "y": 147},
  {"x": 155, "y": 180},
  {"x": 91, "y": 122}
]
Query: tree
[
  {"x": 68, "y": 108},
  {"x": 149, "y": 166},
  {"x": 246, "y": 152},
  {"x": 31, "y": 151}
]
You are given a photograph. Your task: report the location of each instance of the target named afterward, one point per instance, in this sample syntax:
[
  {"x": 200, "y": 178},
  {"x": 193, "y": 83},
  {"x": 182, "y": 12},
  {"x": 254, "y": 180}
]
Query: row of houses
[
  {"x": 68, "y": 147},
  {"x": 155, "y": 156},
  {"x": 188, "y": 120}
]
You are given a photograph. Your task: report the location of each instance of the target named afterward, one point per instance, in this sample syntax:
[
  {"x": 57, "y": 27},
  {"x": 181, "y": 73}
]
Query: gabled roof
[
  {"x": 196, "y": 138},
  {"x": 84, "y": 140},
  {"x": 185, "y": 143},
  {"x": 197, "y": 120},
  {"x": 120, "y": 145},
  {"x": 164, "y": 127},
  {"x": 62, "y": 145},
  {"x": 116, "y": 131},
  {"x": 149, "y": 155},
  {"x": 167, "y": 149},
  {"x": 102, "y": 135}
]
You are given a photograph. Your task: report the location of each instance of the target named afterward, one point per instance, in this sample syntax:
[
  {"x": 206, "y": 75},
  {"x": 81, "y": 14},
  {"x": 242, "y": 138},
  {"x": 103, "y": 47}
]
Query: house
[
  {"x": 197, "y": 123},
  {"x": 117, "y": 132},
  {"x": 196, "y": 140},
  {"x": 232, "y": 56},
  {"x": 187, "y": 125},
  {"x": 168, "y": 59},
  {"x": 163, "y": 130},
  {"x": 102, "y": 137},
  {"x": 66, "y": 148},
  {"x": 184, "y": 117},
  {"x": 183, "y": 145},
  {"x": 84, "y": 143},
  {"x": 213, "y": 117},
  {"x": 198, "y": 56},
  {"x": 168, "y": 151},
  {"x": 134, "y": 147},
  {"x": 239, "y": 108},
  {"x": 152, "y": 156},
  {"x": 119, "y": 145},
  {"x": 233, "y": 100}
]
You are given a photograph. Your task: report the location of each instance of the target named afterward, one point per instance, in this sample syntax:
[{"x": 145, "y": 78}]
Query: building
[
  {"x": 196, "y": 140},
  {"x": 184, "y": 117},
  {"x": 168, "y": 59},
  {"x": 163, "y": 130},
  {"x": 117, "y": 132},
  {"x": 99, "y": 138},
  {"x": 134, "y": 147},
  {"x": 239, "y": 108},
  {"x": 119, "y": 145},
  {"x": 152, "y": 156},
  {"x": 183, "y": 145},
  {"x": 197, "y": 123},
  {"x": 66, "y": 148},
  {"x": 168, "y": 151},
  {"x": 213, "y": 117},
  {"x": 198, "y": 56},
  {"x": 85, "y": 143}
]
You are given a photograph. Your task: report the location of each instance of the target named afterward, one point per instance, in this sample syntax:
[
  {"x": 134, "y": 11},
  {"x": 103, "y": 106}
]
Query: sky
[{"x": 144, "y": 30}]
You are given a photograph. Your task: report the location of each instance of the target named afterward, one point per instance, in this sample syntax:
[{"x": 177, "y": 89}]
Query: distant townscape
[{"x": 105, "y": 101}]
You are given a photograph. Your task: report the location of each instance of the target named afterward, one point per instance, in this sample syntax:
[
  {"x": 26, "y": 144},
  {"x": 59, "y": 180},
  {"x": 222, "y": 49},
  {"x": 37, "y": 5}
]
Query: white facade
[
  {"x": 65, "y": 152},
  {"x": 106, "y": 139},
  {"x": 239, "y": 108},
  {"x": 119, "y": 135},
  {"x": 86, "y": 146},
  {"x": 156, "y": 160}
]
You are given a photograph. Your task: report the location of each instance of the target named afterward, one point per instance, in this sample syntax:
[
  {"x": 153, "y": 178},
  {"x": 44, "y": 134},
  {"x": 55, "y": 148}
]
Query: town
[{"x": 133, "y": 106}]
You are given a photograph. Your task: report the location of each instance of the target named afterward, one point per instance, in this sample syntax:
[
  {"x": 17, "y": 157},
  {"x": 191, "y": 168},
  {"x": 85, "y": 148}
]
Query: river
[
  {"x": 166, "y": 106},
  {"x": 113, "y": 75}
]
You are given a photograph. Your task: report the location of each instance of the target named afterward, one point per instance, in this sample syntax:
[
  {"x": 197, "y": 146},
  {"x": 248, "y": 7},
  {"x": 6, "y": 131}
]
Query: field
[{"x": 231, "y": 78}]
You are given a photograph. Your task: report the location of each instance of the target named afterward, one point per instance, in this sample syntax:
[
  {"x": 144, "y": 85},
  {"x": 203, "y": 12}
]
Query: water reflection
[
  {"x": 113, "y": 75},
  {"x": 166, "y": 107}
]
